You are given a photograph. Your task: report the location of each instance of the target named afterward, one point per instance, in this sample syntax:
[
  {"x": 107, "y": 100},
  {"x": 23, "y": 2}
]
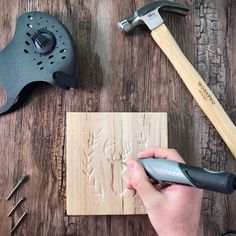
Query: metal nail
[
  {"x": 23, "y": 179},
  {"x": 16, "y": 206},
  {"x": 18, "y": 222}
]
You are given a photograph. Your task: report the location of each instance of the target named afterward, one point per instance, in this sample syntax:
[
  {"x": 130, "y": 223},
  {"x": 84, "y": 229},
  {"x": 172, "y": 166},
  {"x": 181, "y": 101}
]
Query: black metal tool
[
  {"x": 22, "y": 180},
  {"x": 18, "y": 222},
  {"x": 168, "y": 171},
  {"x": 16, "y": 206},
  {"x": 42, "y": 50}
]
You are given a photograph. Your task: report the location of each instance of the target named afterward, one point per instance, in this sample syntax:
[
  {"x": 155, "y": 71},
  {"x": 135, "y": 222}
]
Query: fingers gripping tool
[{"x": 42, "y": 50}]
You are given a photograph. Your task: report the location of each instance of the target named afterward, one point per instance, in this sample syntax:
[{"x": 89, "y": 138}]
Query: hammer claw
[{"x": 180, "y": 11}]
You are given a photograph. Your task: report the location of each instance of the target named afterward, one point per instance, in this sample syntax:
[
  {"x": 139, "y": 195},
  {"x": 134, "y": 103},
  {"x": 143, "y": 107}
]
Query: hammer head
[{"x": 150, "y": 15}]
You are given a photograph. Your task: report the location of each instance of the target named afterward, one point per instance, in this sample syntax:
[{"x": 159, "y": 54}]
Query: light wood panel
[{"x": 97, "y": 144}]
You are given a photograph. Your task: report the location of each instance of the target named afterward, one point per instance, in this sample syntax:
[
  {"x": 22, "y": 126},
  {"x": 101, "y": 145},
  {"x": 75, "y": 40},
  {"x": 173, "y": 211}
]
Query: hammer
[{"x": 150, "y": 15}]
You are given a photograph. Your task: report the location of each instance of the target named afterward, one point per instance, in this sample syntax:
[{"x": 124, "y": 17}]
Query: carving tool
[
  {"x": 41, "y": 50},
  {"x": 19, "y": 222},
  {"x": 16, "y": 206},
  {"x": 171, "y": 172},
  {"x": 150, "y": 16},
  {"x": 23, "y": 179}
]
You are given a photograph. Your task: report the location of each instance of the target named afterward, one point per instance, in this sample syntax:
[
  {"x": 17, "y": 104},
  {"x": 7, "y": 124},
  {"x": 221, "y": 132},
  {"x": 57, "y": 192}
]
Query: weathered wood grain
[
  {"x": 98, "y": 145},
  {"x": 212, "y": 60},
  {"x": 118, "y": 74}
]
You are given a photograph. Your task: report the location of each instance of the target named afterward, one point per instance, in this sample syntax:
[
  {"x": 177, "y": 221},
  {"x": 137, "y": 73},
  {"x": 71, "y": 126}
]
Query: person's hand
[{"x": 173, "y": 210}]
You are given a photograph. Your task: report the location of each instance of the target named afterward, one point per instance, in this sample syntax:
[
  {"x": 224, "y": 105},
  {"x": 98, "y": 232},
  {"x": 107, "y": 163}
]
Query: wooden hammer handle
[{"x": 196, "y": 85}]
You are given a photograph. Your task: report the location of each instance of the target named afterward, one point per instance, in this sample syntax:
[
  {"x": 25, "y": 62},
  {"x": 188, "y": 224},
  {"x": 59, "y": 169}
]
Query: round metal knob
[{"x": 44, "y": 41}]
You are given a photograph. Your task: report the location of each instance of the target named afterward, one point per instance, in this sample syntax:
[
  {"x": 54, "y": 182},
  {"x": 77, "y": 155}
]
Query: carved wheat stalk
[{"x": 88, "y": 161}]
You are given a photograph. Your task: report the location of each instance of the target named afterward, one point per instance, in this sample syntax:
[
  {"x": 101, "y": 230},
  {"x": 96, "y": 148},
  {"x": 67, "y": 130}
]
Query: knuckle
[
  {"x": 174, "y": 152},
  {"x": 138, "y": 182}
]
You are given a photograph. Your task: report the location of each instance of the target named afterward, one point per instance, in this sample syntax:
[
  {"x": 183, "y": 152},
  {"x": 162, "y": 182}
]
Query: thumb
[{"x": 140, "y": 182}]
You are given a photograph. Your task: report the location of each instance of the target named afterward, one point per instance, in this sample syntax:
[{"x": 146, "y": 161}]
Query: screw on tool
[
  {"x": 18, "y": 222},
  {"x": 16, "y": 206},
  {"x": 23, "y": 179}
]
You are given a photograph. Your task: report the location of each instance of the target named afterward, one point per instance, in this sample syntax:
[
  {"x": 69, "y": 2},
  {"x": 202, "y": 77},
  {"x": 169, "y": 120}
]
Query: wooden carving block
[{"x": 97, "y": 144}]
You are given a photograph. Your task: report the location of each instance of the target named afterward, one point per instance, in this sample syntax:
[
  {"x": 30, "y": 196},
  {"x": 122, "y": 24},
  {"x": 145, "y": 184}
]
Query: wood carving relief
[{"x": 97, "y": 146}]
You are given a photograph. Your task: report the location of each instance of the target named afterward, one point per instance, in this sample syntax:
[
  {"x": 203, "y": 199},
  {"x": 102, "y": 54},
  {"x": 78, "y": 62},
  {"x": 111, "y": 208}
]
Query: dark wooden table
[{"x": 117, "y": 73}]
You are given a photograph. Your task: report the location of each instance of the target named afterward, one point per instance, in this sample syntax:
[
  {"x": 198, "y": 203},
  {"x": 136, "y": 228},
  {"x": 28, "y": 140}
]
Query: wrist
[
  {"x": 180, "y": 230},
  {"x": 179, "y": 233}
]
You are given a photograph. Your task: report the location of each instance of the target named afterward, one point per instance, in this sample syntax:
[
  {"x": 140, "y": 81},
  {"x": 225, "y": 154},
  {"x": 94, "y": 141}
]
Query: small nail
[
  {"x": 21, "y": 181},
  {"x": 18, "y": 222},
  {"x": 16, "y": 206}
]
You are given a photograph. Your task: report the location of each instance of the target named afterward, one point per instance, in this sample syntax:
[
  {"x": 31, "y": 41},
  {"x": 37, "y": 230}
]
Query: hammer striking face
[{"x": 150, "y": 15}]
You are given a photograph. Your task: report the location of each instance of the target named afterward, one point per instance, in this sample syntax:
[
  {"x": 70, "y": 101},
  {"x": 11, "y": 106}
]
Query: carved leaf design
[{"x": 88, "y": 161}]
